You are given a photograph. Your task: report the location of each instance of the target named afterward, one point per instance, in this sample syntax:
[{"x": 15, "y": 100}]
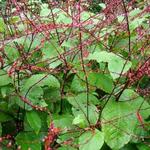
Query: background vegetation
[{"x": 75, "y": 75}]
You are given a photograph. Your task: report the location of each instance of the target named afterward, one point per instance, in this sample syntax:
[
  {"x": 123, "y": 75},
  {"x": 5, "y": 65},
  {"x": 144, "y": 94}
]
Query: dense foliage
[{"x": 75, "y": 75}]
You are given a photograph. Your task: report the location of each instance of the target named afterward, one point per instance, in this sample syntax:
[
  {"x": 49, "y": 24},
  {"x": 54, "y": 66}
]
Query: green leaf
[
  {"x": 51, "y": 50},
  {"x": 4, "y": 78},
  {"x": 5, "y": 117},
  {"x": 101, "y": 81},
  {"x": 62, "y": 121},
  {"x": 116, "y": 64},
  {"x": 62, "y": 16},
  {"x": 45, "y": 11},
  {"x": 120, "y": 121},
  {"x": 52, "y": 95},
  {"x": 136, "y": 23},
  {"x": 78, "y": 85},
  {"x": 66, "y": 147},
  {"x": 81, "y": 111},
  {"x": 78, "y": 121},
  {"x": 28, "y": 140},
  {"x": 127, "y": 95},
  {"x": 85, "y": 15},
  {"x": 11, "y": 52},
  {"x": 128, "y": 146},
  {"x": 5, "y": 114},
  {"x": 2, "y": 26},
  {"x": 142, "y": 146},
  {"x": 134, "y": 12},
  {"x": 33, "y": 94},
  {"x": 81, "y": 99},
  {"x": 69, "y": 43},
  {"x": 34, "y": 121},
  {"x": 102, "y": 5},
  {"x": 91, "y": 140},
  {"x": 69, "y": 136},
  {"x": 6, "y": 90},
  {"x": 120, "y": 18},
  {"x": 41, "y": 80}
]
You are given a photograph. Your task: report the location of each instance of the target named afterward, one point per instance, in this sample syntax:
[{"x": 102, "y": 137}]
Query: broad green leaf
[
  {"x": 2, "y": 26},
  {"x": 91, "y": 140},
  {"x": 6, "y": 90},
  {"x": 34, "y": 121},
  {"x": 5, "y": 114},
  {"x": 134, "y": 12},
  {"x": 101, "y": 81},
  {"x": 52, "y": 50},
  {"x": 5, "y": 117},
  {"x": 79, "y": 120},
  {"x": 34, "y": 95},
  {"x": 120, "y": 18},
  {"x": 85, "y": 15},
  {"x": 15, "y": 100},
  {"x": 82, "y": 99},
  {"x": 52, "y": 95},
  {"x": 69, "y": 43},
  {"x": 4, "y": 78},
  {"x": 28, "y": 140},
  {"x": 92, "y": 113},
  {"x": 43, "y": 118},
  {"x": 67, "y": 147},
  {"x": 142, "y": 146},
  {"x": 78, "y": 85},
  {"x": 14, "y": 19},
  {"x": 69, "y": 136},
  {"x": 129, "y": 146},
  {"x": 62, "y": 121},
  {"x": 136, "y": 23},
  {"x": 27, "y": 126},
  {"x": 120, "y": 121},
  {"x": 62, "y": 16},
  {"x": 116, "y": 64},
  {"x": 45, "y": 11},
  {"x": 128, "y": 94},
  {"x": 41, "y": 80},
  {"x": 102, "y": 5}
]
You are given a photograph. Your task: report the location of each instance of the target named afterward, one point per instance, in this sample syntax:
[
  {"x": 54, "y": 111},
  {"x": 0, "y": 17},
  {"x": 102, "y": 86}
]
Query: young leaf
[{"x": 91, "y": 140}]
